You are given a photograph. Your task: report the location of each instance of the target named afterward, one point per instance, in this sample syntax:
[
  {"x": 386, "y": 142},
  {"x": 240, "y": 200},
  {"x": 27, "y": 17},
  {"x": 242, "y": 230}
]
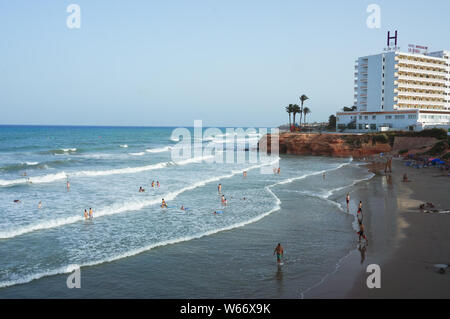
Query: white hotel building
[{"x": 400, "y": 91}]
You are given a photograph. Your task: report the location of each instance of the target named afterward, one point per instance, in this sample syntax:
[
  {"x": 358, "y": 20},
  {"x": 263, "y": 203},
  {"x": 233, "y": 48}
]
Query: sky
[{"x": 168, "y": 63}]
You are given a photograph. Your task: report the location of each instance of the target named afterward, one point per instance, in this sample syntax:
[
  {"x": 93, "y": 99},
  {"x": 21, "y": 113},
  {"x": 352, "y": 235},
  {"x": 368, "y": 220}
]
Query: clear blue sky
[{"x": 227, "y": 62}]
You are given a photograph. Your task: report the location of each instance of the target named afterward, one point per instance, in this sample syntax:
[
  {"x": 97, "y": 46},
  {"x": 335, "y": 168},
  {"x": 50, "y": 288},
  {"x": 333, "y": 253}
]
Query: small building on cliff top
[{"x": 400, "y": 91}]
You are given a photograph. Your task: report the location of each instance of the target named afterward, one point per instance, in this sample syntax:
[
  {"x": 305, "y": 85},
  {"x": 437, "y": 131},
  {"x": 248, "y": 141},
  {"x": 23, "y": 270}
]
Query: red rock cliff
[{"x": 336, "y": 145}]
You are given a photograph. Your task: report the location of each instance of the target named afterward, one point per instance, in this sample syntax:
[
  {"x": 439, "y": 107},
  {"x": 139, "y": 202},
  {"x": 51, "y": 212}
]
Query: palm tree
[
  {"x": 290, "y": 111},
  {"x": 303, "y": 98},
  {"x": 296, "y": 110},
  {"x": 306, "y": 110}
]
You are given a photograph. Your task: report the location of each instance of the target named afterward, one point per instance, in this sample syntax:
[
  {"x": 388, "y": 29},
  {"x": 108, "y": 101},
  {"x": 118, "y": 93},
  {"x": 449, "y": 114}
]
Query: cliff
[{"x": 335, "y": 145}]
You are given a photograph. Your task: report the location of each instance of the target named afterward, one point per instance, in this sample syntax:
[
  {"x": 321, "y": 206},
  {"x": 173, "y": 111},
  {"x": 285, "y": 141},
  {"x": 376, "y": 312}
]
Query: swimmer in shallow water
[
  {"x": 163, "y": 204},
  {"x": 86, "y": 217},
  {"x": 91, "y": 213}
]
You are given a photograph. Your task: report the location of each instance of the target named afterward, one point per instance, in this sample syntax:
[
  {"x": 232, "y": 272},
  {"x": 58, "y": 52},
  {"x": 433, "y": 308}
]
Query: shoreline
[{"x": 403, "y": 240}]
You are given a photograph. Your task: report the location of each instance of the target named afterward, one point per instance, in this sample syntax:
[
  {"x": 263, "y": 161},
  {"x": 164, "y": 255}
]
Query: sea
[{"x": 134, "y": 248}]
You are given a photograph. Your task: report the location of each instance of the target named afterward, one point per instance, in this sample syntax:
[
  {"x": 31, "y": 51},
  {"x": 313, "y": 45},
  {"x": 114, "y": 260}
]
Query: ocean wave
[
  {"x": 119, "y": 208},
  {"x": 124, "y": 146},
  {"x": 70, "y": 268},
  {"x": 137, "y": 154},
  {"x": 128, "y": 170},
  {"x": 34, "y": 180},
  {"x": 159, "y": 150}
]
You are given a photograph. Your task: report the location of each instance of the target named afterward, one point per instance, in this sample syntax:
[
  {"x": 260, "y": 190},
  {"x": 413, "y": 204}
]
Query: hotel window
[
  {"x": 373, "y": 126},
  {"x": 366, "y": 117},
  {"x": 388, "y": 117},
  {"x": 360, "y": 117},
  {"x": 399, "y": 117},
  {"x": 374, "y": 117},
  {"x": 360, "y": 126},
  {"x": 413, "y": 116}
]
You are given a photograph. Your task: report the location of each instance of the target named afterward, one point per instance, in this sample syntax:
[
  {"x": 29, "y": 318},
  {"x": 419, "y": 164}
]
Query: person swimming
[
  {"x": 183, "y": 208},
  {"x": 141, "y": 190},
  {"x": 16, "y": 201},
  {"x": 40, "y": 205},
  {"x": 163, "y": 204}
]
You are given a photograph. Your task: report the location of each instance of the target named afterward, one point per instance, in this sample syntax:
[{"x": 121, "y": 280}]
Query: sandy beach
[{"x": 403, "y": 240}]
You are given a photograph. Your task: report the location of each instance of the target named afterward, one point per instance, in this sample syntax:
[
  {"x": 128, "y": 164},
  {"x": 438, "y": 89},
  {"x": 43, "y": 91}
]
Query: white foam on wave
[
  {"x": 31, "y": 163},
  {"x": 138, "y": 154},
  {"x": 66, "y": 150},
  {"x": 34, "y": 180},
  {"x": 159, "y": 150},
  {"x": 128, "y": 170},
  {"x": 124, "y": 146}
]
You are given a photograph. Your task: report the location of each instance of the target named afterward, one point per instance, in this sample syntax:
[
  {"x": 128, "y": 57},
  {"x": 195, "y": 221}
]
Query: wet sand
[{"x": 405, "y": 241}]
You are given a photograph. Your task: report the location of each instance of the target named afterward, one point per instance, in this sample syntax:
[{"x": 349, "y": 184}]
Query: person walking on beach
[
  {"x": 361, "y": 233},
  {"x": 279, "y": 251},
  {"x": 347, "y": 198},
  {"x": 360, "y": 213}
]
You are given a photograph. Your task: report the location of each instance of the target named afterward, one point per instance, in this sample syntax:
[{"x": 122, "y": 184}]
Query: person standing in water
[
  {"x": 157, "y": 184},
  {"x": 279, "y": 251},
  {"x": 219, "y": 188},
  {"x": 163, "y": 204},
  {"x": 86, "y": 215},
  {"x": 347, "y": 199},
  {"x": 91, "y": 213},
  {"x": 68, "y": 185},
  {"x": 153, "y": 184},
  {"x": 40, "y": 205}
]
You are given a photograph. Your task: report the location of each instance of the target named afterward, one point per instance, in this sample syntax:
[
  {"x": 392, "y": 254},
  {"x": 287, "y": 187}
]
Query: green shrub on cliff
[
  {"x": 380, "y": 138},
  {"x": 438, "y": 148}
]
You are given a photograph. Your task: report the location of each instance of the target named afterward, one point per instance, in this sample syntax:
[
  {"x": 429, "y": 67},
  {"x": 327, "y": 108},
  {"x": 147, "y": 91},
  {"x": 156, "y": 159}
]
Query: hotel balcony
[
  {"x": 427, "y": 95},
  {"x": 417, "y": 78},
  {"x": 419, "y": 86},
  {"x": 425, "y": 64},
  {"x": 420, "y": 103},
  {"x": 422, "y": 72}
]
